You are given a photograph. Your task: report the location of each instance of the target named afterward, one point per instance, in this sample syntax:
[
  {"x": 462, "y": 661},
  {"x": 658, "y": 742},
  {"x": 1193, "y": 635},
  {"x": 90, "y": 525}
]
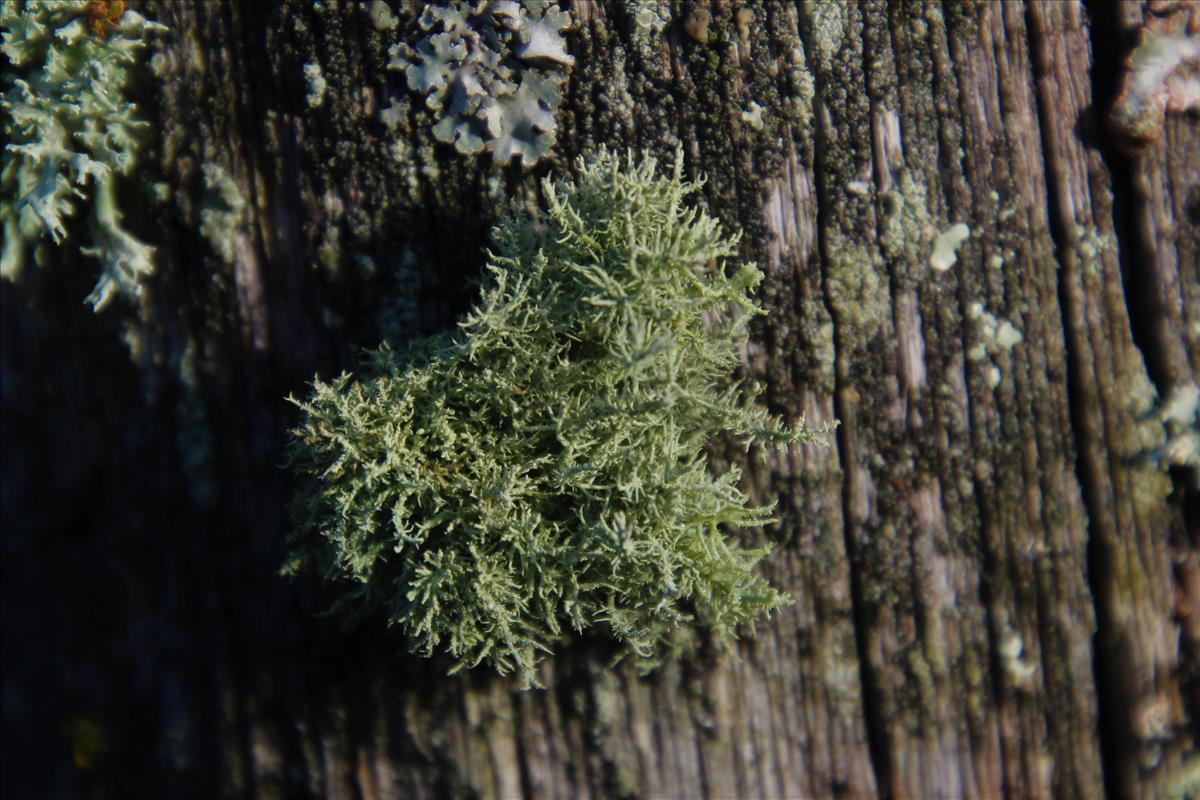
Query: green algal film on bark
[{"x": 544, "y": 468}]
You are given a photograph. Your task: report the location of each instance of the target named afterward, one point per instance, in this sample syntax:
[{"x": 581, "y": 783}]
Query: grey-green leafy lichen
[
  {"x": 66, "y": 126},
  {"x": 493, "y": 71},
  {"x": 545, "y": 468},
  {"x": 648, "y": 17}
]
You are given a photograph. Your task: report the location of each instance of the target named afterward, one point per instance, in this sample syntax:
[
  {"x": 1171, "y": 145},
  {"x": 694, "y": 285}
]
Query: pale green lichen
[
  {"x": 1162, "y": 74},
  {"x": 392, "y": 116},
  {"x": 828, "y": 29},
  {"x": 1146, "y": 444},
  {"x": 1011, "y": 650},
  {"x": 316, "y": 85},
  {"x": 800, "y": 104},
  {"x": 492, "y": 70},
  {"x": 221, "y": 210},
  {"x": 1181, "y": 422},
  {"x": 381, "y": 16},
  {"x": 945, "y": 246},
  {"x": 69, "y": 133},
  {"x": 995, "y": 336},
  {"x": 545, "y": 468},
  {"x": 1181, "y": 405},
  {"x": 329, "y": 252},
  {"x": 1093, "y": 248},
  {"x": 753, "y": 116},
  {"x": 858, "y": 291},
  {"x": 649, "y": 18},
  {"x": 1007, "y": 335},
  {"x": 907, "y": 228}
]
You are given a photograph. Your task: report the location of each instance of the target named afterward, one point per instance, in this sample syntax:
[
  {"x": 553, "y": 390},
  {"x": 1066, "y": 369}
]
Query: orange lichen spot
[{"x": 103, "y": 15}]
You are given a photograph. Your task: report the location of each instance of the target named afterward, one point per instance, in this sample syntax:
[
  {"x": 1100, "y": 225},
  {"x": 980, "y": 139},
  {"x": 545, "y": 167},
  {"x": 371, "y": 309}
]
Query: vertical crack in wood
[
  {"x": 1135, "y": 656},
  {"x": 1112, "y": 694},
  {"x": 887, "y": 782}
]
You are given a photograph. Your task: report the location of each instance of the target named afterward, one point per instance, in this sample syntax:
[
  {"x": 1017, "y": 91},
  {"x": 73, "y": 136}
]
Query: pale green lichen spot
[
  {"x": 221, "y": 210},
  {"x": 945, "y": 247},
  {"x": 316, "y": 85}
]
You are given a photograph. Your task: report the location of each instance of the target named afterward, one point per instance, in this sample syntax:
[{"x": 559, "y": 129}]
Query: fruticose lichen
[
  {"x": 492, "y": 70},
  {"x": 545, "y": 467},
  {"x": 66, "y": 125}
]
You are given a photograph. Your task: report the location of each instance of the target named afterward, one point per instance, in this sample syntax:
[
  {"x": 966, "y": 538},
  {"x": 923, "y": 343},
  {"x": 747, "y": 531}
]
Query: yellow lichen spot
[{"x": 87, "y": 740}]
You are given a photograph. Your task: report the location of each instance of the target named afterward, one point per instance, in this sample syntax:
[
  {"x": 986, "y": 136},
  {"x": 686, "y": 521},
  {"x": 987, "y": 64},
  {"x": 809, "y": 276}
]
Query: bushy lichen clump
[
  {"x": 492, "y": 70},
  {"x": 65, "y": 125},
  {"x": 545, "y": 467}
]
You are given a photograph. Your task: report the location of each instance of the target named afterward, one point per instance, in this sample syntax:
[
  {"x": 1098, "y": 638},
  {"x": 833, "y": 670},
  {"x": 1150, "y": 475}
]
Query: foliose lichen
[
  {"x": 69, "y": 133},
  {"x": 545, "y": 467},
  {"x": 648, "y": 17},
  {"x": 492, "y": 70}
]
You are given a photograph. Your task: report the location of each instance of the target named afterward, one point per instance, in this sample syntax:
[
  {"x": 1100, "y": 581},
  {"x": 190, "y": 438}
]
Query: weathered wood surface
[{"x": 977, "y": 495}]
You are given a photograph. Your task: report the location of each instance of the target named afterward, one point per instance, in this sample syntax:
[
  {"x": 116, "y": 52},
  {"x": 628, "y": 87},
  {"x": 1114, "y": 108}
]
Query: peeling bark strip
[{"x": 988, "y": 571}]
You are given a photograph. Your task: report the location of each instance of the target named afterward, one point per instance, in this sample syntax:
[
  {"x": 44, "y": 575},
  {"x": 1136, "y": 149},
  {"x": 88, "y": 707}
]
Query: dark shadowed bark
[{"x": 996, "y": 576}]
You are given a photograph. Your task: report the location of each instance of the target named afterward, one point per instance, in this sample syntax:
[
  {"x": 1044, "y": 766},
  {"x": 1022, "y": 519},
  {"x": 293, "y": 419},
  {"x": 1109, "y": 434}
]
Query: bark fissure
[
  {"x": 1125, "y": 496},
  {"x": 876, "y": 727},
  {"x": 1112, "y": 696}
]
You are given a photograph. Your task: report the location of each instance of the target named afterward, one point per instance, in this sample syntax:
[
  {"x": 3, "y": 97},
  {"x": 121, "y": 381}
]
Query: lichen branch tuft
[{"x": 545, "y": 467}]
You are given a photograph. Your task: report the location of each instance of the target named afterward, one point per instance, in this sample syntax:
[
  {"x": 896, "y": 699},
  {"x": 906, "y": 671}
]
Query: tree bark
[{"x": 997, "y": 591}]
